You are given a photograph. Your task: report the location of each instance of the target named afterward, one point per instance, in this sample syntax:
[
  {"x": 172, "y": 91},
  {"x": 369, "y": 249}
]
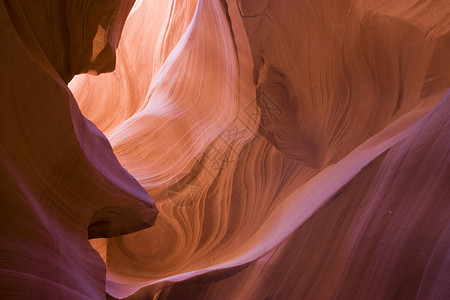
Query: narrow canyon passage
[{"x": 225, "y": 149}]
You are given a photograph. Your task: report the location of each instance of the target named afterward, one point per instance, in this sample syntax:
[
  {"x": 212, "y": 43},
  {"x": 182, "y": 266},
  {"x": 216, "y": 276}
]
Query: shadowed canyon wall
[
  {"x": 294, "y": 149},
  {"x": 61, "y": 182}
]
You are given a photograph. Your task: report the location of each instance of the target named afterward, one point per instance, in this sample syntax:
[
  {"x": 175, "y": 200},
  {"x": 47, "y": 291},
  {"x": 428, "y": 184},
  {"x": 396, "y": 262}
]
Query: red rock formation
[
  {"x": 61, "y": 182},
  {"x": 295, "y": 149},
  {"x": 383, "y": 235}
]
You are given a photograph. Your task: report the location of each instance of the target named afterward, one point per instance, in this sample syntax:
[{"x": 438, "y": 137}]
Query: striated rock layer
[
  {"x": 294, "y": 149},
  {"x": 383, "y": 235},
  {"x": 264, "y": 112}
]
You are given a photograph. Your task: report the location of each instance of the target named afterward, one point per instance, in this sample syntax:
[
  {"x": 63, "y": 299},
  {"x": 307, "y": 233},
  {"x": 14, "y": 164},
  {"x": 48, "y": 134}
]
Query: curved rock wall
[
  {"x": 60, "y": 181},
  {"x": 294, "y": 149}
]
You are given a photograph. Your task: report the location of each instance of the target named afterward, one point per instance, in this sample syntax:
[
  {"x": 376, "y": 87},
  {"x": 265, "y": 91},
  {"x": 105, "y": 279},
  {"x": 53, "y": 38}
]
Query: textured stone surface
[
  {"x": 60, "y": 181},
  {"x": 294, "y": 150}
]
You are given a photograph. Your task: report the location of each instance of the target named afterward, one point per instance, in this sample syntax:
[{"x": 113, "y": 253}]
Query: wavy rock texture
[
  {"x": 388, "y": 240},
  {"x": 294, "y": 149},
  {"x": 260, "y": 136}
]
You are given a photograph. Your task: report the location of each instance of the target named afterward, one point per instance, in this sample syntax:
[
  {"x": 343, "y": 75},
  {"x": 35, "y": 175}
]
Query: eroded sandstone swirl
[{"x": 294, "y": 150}]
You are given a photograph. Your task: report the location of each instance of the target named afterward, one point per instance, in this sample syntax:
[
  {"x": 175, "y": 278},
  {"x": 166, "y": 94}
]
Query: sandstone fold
[
  {"x": 61, "y": 183},
  {"x": 245, "y": 119},
  {"x": 387, "y": 240},
  {"x": 295, "y": 149}
]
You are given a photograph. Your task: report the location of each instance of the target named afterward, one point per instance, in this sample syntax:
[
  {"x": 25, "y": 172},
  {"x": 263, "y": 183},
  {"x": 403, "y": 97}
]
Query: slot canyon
[{"x": 225, "y": 149}]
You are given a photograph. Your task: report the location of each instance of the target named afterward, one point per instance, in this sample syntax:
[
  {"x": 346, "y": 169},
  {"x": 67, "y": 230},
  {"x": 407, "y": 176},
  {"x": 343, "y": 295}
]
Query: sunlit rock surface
[{"x": 294, "y": 150}]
